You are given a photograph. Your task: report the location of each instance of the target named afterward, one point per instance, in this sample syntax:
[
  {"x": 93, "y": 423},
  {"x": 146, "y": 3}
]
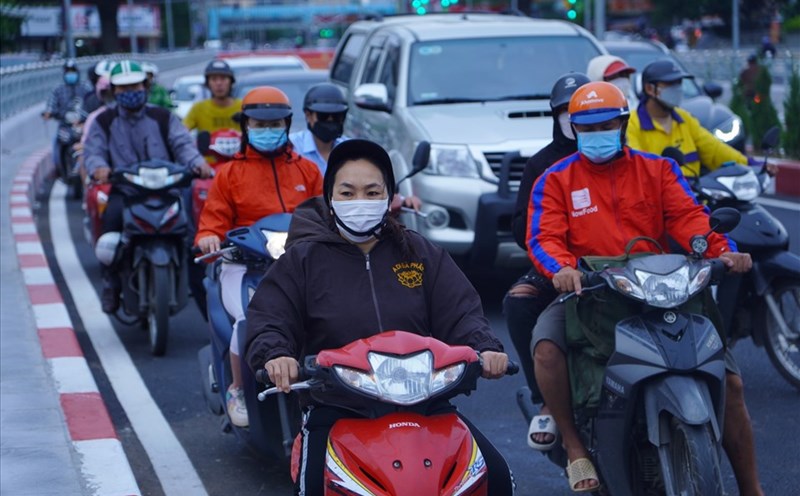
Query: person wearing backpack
[{"x": 124, "y": 135}]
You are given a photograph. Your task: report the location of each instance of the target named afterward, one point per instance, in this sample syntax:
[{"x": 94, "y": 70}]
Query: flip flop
[
  {"x": 581, "y": 470},
  {"x": 542, "y": 424}
]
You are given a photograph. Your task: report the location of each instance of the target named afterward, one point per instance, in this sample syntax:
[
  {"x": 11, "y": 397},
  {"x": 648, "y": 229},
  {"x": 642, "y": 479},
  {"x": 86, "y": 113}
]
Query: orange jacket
[
  {"x": 251, "y": 186},
  {"x": 578, "y": 209}
]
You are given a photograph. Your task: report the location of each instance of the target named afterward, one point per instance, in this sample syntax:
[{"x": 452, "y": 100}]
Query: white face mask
[
  {"x": 359, "y": 216},
  {"x": 624, "y": 84},
  {"x": 671, "y": 96},
  {"x": 566, "y": 127}
]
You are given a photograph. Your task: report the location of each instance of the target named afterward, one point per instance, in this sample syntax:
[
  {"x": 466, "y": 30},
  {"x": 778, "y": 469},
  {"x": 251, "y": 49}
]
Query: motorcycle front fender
[
  {"x": 777, "y": 264},
  {"x": 684, "y": 397},
  {"x": 158, "y": 252}
]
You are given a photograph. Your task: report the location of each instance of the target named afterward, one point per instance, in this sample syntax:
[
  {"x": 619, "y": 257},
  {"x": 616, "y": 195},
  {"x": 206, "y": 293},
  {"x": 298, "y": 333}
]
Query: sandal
[
  {"x": 542, "y": 424},
  {"x": 581, "y": 470}
]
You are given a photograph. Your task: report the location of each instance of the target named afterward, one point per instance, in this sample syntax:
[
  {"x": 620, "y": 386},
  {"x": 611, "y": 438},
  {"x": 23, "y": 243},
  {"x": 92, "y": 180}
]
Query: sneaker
[
  {"x": 237, "y": 409},
  {"x": 109, "y": 298}
]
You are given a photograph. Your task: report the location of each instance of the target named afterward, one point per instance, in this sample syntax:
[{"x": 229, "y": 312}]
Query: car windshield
[
  {"x": 640, "y": 59},
  {"x": 188, "y": 91},
  {"x": 484, "y": 69},
  {"x": 295, "y": 90}
]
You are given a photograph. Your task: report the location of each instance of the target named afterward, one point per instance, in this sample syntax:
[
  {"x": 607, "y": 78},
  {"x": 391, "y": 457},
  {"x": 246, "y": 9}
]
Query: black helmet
[
  {"x": 326, "y": 98},
  {"x": 565, "y": 86},
  {"x": 355, "y": 149},
  {"x": 70, "y": 65},
  {"x": 219, "y": 67},
  {"x": 663, "y": 71}
]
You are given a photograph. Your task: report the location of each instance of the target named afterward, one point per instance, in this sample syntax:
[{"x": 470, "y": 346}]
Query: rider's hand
[
  {"x": 495, "y": 364},
  {"x": 567, "y": 280},
  {"x": 399, "y": 201},
  {"x": 204, "y": 170},
  {"x": 772, "y": 170},
  {"x": 283, "y": 371},
  {"x": 737, "y": 262},
  {"x": 101, "y": 174},
  {"x": 208, "y": 244}
]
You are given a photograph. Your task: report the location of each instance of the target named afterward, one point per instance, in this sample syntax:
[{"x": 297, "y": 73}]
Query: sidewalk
[{"x": 56, "y": 436}]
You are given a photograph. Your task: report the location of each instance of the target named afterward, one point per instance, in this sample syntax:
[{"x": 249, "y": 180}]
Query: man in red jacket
[
  {"x": 267, "y": 177},
  {"x": 592, "y": 203}
]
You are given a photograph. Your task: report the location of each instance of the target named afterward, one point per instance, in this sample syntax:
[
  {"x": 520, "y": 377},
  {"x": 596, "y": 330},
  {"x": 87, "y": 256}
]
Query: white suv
[{"x": 477, "y": 87}]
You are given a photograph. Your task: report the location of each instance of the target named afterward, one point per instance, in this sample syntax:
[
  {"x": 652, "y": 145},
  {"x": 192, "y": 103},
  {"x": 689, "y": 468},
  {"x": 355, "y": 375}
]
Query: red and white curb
[{"x": 103, "y": 464}]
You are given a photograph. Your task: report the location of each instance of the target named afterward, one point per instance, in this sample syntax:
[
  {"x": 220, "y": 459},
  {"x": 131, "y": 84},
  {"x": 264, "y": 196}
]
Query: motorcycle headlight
[
  {"x": 153, "y": 178},
  {"x": 745, "y": 187},
  {"x": 276, "y": 243},
  {"x": 452, "y": 160},
  {"x": 700, "y": 280},
  {"x": 665, "y": 291},
  {"x": 171, "y": 212},
  {"x": 405, "y": 380},
  {"x": 729, "y": 130},
  {"x": 628, "y": 287},
  {"x": 716, "y": 194}
]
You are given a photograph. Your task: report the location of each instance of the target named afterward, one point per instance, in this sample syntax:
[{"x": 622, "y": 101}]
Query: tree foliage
[
  {"x": 791, "y": 112},
  {"x": 9, "y": 23},
  {"x": 763, "y": 115}
]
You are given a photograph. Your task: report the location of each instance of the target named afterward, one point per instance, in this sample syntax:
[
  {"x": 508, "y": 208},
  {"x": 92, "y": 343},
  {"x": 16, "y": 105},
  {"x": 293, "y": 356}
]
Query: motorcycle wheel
[
  {"x": 783, "y": 349},
  {"x": 694, "y": 459},
  {"x": 158, "y": 313},
  {"x": 209, "y": 381}
]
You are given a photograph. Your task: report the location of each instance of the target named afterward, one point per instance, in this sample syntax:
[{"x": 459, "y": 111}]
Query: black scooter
[
  {"x": 657, "y": 425},
  {"x": 765, "y": 303},
  {"x": 70, "y": 129}
]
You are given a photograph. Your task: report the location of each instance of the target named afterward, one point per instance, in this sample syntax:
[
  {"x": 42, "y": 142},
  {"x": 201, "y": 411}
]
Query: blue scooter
[{"x": 274, "y": 423}]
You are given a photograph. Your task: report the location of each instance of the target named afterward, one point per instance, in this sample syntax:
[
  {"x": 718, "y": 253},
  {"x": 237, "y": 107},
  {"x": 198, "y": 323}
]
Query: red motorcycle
[
  {"x": 398, "y": 448},
  {"x": 221, "y": 145}
]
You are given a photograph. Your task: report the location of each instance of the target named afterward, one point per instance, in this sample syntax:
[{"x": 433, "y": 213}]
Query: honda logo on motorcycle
[{"x": 670, "y": 317}]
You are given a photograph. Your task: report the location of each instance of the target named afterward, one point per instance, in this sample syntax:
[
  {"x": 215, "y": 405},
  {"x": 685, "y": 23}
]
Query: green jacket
[{"x": 160, "y": 96}]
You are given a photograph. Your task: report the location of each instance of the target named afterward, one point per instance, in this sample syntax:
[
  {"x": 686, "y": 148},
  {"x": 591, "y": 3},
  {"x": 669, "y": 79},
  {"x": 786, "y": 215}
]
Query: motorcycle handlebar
[{"x": 513, "y": 368}]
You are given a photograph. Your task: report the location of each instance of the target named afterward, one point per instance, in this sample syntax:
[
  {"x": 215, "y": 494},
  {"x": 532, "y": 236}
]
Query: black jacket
[
  {"x": 560, "y": 147},
  {"x": 325, "y": 293}
]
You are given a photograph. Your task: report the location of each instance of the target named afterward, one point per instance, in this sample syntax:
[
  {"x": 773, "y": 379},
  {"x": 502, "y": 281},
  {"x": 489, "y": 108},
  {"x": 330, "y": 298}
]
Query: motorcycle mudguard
[
  {"x": 778, "y": 264},
  {"x": 158, "y": 252},
  {"x": 684, "y": 397},
  {"x": 404, "y": 453}
]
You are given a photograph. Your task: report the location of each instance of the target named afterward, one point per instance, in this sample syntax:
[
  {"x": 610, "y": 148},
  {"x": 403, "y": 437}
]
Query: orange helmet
[
  {"x": 266, "y": 103},
  {"x": 596, "y": 102}
]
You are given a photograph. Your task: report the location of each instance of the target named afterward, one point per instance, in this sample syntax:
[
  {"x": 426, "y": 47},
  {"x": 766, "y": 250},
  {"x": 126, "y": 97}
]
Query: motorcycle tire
[
  {"x": 782, "y": 349},
  {"x": 208, "y": 379},
  {"x": 158, "y": 311},
  {"x": 76, "y": 188},
  {"x": 693, "y": 456}
]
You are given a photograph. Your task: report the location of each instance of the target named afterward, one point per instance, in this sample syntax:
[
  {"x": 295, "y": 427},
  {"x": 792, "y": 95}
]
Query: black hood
[{"x": 312, "y": 221}]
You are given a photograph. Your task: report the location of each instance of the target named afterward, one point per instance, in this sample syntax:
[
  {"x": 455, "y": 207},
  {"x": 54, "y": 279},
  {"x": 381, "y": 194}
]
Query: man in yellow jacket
[{"x": 659, "y": 123}]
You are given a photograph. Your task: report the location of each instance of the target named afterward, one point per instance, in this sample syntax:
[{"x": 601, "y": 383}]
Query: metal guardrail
[
  {"x": 725, "y": 65},
  {"x": 26, "y": 85}
]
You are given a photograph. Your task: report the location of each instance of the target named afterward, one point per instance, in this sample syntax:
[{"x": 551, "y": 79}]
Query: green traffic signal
[{"x": 572, "y": 15}]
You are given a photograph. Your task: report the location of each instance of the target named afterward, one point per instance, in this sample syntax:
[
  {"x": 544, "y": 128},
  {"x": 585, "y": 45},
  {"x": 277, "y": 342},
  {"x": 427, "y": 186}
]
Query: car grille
[{"x": 495, "y": 160}]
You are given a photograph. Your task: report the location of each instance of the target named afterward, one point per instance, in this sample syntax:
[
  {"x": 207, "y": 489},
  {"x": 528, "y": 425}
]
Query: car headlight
[
  {"x": 729, "y": 130},
  {"x": 745, "y": 187},
  {"x": 452, "y": 160},
  {"x": 405, "y": 380},
  {"x": 276, "y": 243}
]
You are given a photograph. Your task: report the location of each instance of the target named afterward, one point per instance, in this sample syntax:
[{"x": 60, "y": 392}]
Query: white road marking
[
  {"x": 37, "y": 275},
  {"x": 19, "y": 199},
  {"x": 784, "y": 204},
  {"x": 20, "y": 211},
  {"x": 101, "y": 458},
  {"x": 30, "y": 248},
  {"x": 170, "y": 461},
  {"x": 72, "y": 375},
  {"x": 51, "y": 315},
  {"x": 23, "y": 227},
  {"x": 19, "y": 188}
]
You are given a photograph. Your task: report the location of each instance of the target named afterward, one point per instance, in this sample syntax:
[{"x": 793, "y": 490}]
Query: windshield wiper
[
  {"x": 541, "y": 96},
  {"x": 437, "y": 101}
]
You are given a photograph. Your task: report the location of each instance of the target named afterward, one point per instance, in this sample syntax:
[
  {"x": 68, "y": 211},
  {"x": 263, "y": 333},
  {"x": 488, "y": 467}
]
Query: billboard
[{"x": 85, "y": 21}]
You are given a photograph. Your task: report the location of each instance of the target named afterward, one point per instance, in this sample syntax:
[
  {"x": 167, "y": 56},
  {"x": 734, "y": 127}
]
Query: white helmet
[
  {"x": 103, "y": 68},
  {"x": 150, "y": 68},
  {"x": 106, "y": 248},
  {"x": 607, "y": 67},
  {"x": 127, "y": 72}
]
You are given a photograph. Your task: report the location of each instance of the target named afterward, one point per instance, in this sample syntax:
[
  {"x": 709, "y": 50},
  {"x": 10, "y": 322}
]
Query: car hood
[
  {"x": 710, "y": 113},
  {"x": 485, "y": 124}
]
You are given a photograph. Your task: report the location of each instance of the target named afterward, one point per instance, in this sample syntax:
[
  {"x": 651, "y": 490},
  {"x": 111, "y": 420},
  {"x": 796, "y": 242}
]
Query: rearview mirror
[
  {"x": 771, "y": 138},
  {"x": 724, "y": 220},
  {"x": 372, "y": 96},
  {"x": 713, "y": 90},
  {"x": 419, "y": 161},
  {"x": 674, "y": 154},
  {"x": 203, "y": 142}
]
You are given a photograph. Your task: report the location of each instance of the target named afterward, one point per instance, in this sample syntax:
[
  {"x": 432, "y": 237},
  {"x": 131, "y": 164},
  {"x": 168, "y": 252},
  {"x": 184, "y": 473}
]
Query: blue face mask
[
  {"x": 71, "y": 77},
  {"x": 267, "y": 139},
  {"x": 131, "y": 100},
  {"x": 599, "y": 146}
]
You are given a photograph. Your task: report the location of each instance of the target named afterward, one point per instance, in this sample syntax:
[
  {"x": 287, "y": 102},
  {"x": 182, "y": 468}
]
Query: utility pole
[
  {"x": 170, "y": 34},
  {"x": 131, "y": 31},
  {"x": 735, "y": 23},
  {"x": 68, "y": 30},
  {"x": 587, "y": 14},
  {"x": 600, "y": 18}
]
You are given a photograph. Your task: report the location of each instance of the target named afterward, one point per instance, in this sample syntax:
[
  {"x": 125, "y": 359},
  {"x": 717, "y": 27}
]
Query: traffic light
[
  {"x": 326, "y": 33},
  {"x": 420, "y": 6},
  {"x": 572, "y": 12}
]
